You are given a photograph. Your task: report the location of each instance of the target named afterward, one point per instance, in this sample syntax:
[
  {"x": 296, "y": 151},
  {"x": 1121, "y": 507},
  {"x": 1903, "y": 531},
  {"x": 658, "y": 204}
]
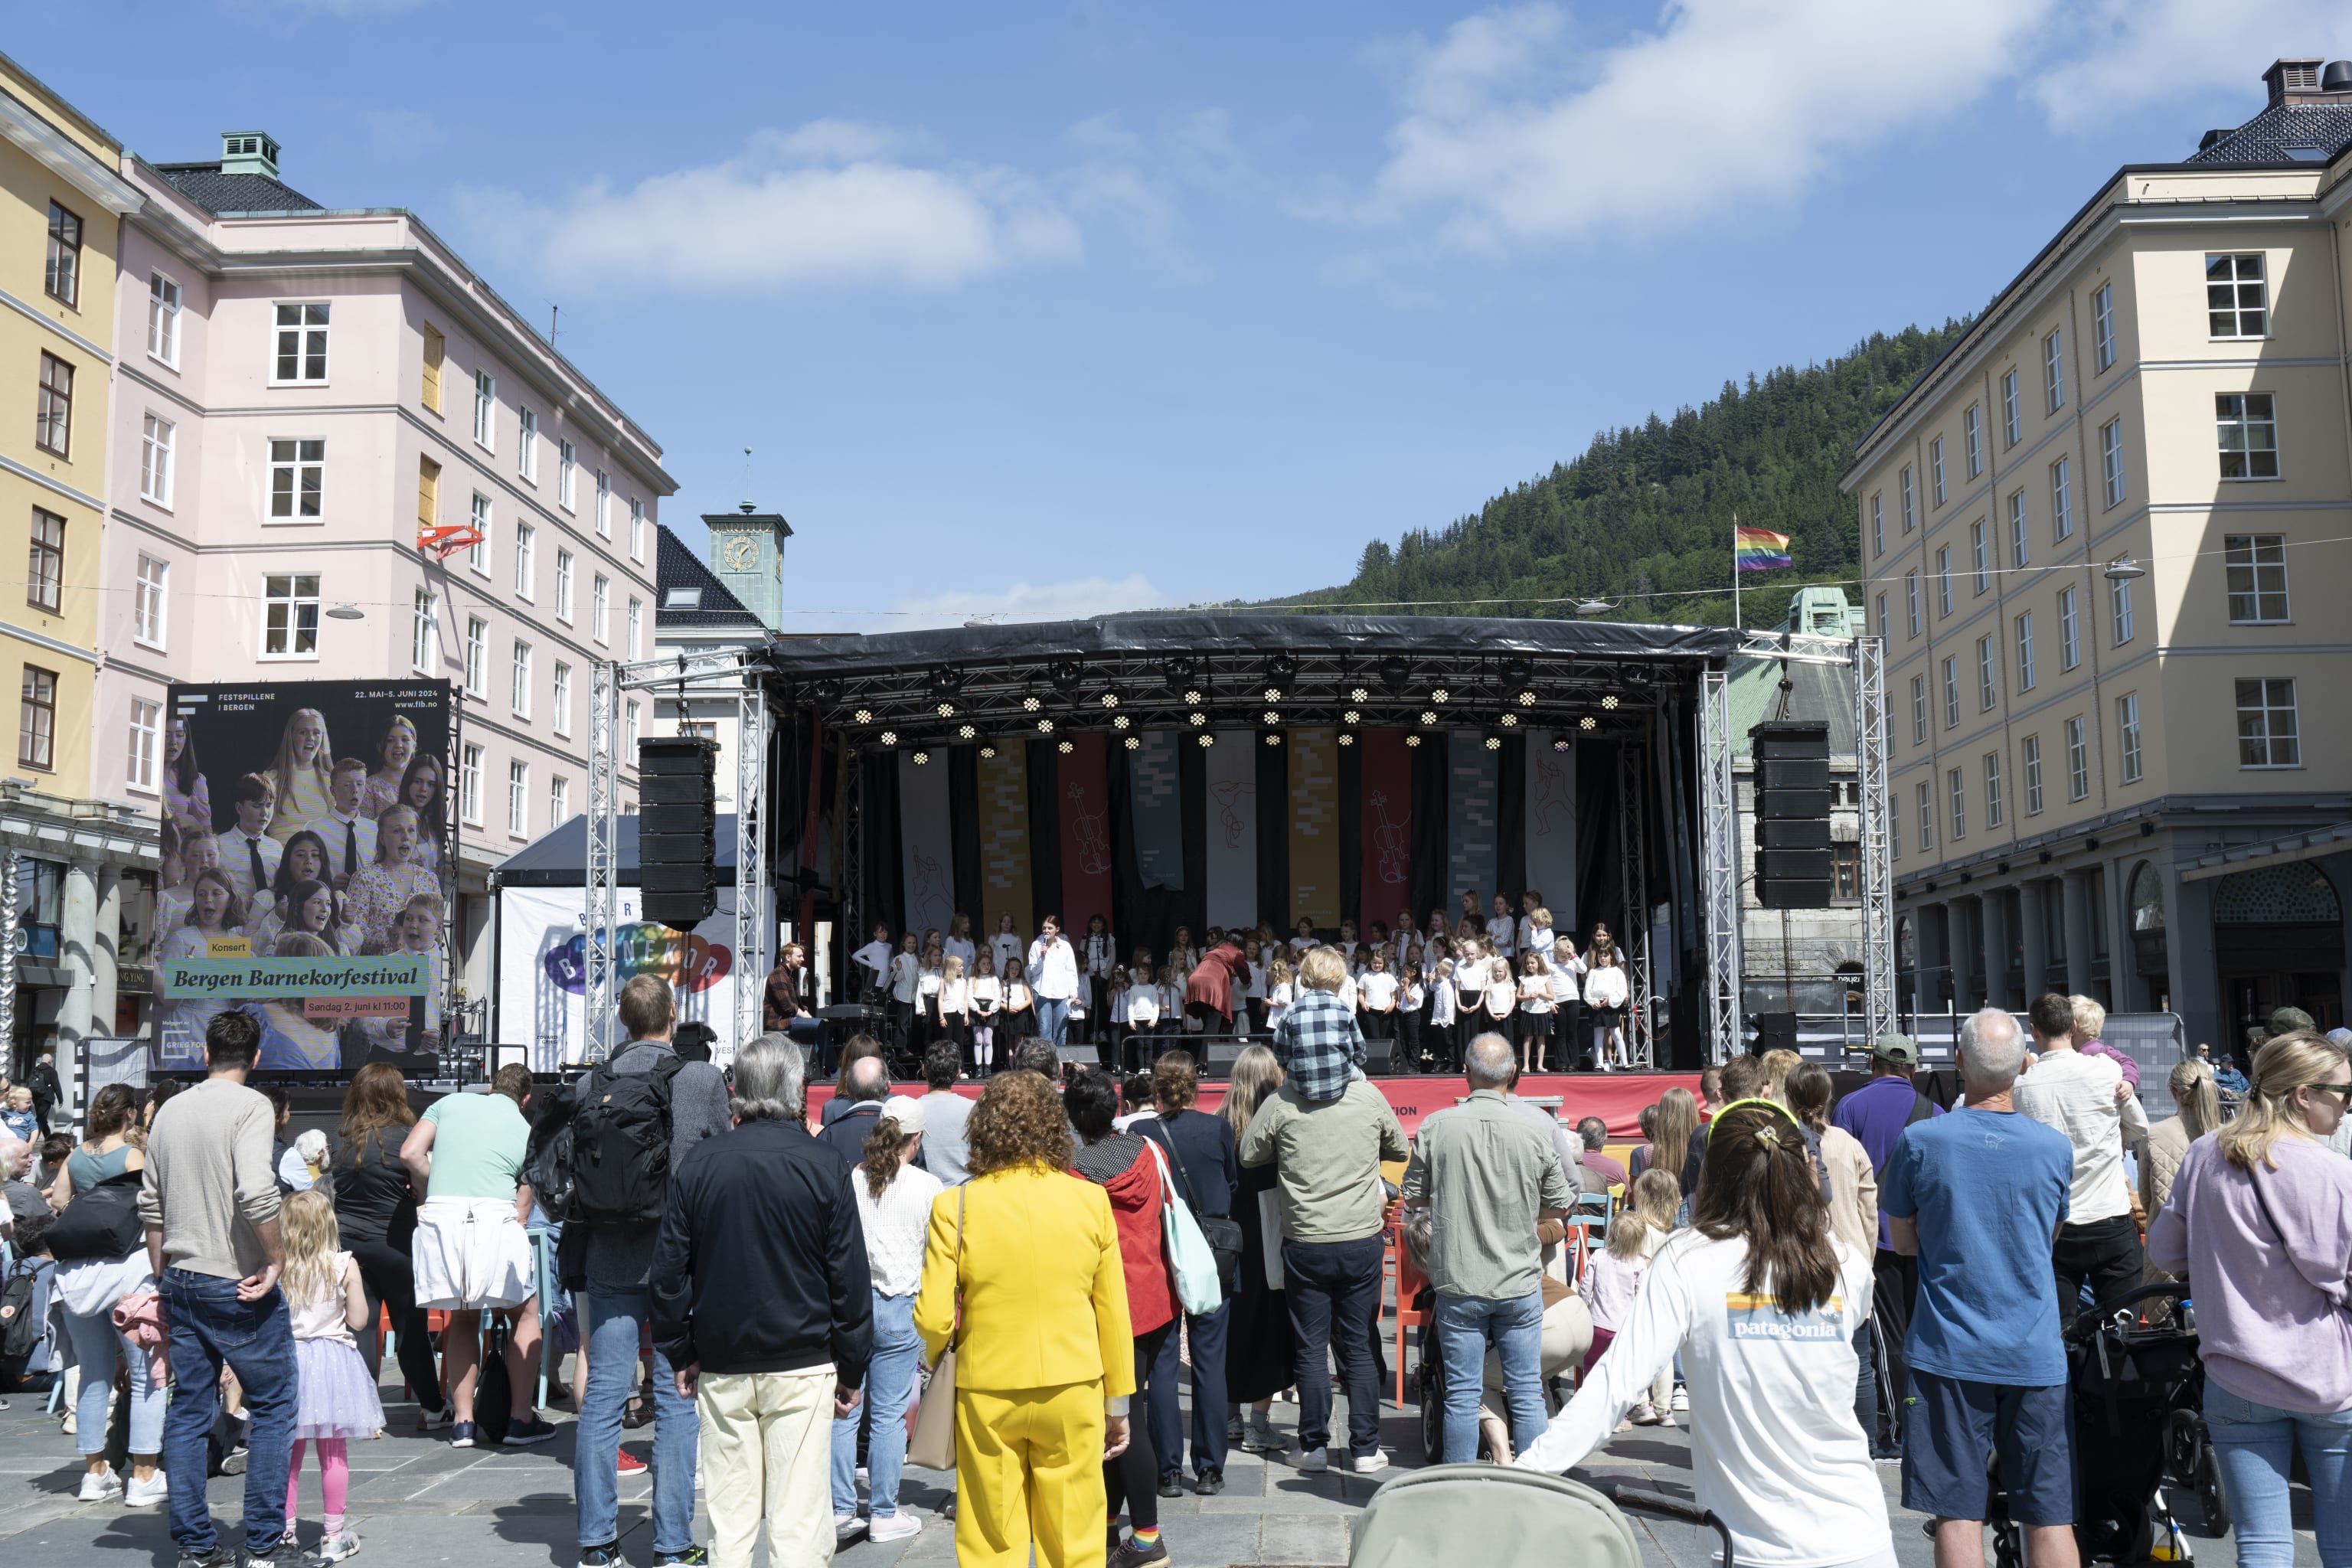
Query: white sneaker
[
  {"x": 335, "y": 1548},
  {"x": 1370, "y": 1464},
  {"x": 97, "y": 1486},
  {"x": 1681, "y": 1400},
  {"x": 894, "y": 1526},
  {"x": 846, "y": 1527},
  {"x": 137, "y": 1493},
  {"x": 1314, "y": 1461}
]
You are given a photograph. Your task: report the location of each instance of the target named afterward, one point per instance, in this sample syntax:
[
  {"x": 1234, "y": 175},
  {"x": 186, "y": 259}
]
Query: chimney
[
  {"x": 2294, "y": 79},
  {"x": 256, "y": 152}
]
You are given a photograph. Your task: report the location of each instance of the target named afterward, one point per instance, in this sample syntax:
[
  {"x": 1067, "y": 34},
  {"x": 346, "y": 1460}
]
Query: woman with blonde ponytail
[{"x": 894, "y": 1202}]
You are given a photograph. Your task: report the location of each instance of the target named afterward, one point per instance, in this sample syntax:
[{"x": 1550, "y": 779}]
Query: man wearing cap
[{"x": 1875, "y": 1115}]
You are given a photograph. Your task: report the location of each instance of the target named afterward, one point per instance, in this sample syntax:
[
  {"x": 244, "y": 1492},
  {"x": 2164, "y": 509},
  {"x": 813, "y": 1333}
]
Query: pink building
[{"x": 298, "y": 390}]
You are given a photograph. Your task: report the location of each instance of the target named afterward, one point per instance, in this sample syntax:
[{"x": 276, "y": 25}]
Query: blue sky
[{"x": 1057, "y": 309}]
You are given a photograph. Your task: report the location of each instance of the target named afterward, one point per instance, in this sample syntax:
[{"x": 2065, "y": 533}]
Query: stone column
[
  {"x": 76, "y": 950},
  {"x": 105, "y": 953},
  {"x": 1995, "y": 905},
  {"x": 2078, "y": 933},
  {"x": 2033, "y": 913}
]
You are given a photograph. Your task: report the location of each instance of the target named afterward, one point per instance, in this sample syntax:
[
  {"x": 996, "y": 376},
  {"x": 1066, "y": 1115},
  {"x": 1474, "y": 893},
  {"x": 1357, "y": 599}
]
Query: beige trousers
[{"x": 767, "y": 1450}]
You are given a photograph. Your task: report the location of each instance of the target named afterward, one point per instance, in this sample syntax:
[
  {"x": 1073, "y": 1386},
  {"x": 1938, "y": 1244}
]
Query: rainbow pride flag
[{"x": 1758, "y": 549}]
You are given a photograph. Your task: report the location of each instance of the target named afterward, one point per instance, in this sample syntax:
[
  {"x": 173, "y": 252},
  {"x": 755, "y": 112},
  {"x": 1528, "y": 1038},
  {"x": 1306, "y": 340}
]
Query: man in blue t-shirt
[
  {"x": 1978, "y": 1195},
  {"x": 1875, "y": 1115}
]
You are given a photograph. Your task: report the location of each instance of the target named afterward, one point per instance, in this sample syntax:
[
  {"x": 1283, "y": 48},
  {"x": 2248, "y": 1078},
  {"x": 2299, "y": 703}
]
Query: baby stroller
[
  {"x": 2138, "y": 1393},
  {"x": 1501, "y": 1517}
]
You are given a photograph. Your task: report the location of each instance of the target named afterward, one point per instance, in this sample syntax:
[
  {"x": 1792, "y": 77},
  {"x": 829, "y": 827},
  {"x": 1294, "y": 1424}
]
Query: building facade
[
  {"x": 702, "y": 612},
  {"x": 2103, "y": 538},
  {"x": 310, "y": 402}
]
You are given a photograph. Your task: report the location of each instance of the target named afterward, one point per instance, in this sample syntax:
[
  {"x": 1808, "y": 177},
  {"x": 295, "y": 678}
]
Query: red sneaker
[{"x": 631, "y": 1465}]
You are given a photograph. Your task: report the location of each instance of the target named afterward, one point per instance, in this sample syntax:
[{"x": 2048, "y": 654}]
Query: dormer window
[
  {"x": 683, "y": 599},
  {"x": 248, "y": 152}
]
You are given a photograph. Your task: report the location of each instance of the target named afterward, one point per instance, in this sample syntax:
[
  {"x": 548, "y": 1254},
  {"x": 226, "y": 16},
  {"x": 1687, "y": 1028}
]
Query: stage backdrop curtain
[
  {"x": 964, "y": 823},
  {"x": 1157, "y": 798},
  {"x": 1148, "y": 916},
  {"x": 1429, "y": 823},
  {"x": 1551, "y": 825},
  {"x": 1473, "y": 811},
  {"x": 1511, "y": 817},
  {"x": 1084, "y": 790},
  {"x": 1386, "y": 822},
  {"x": 1351, "y": 838},
  {"x": 1273, "y": 772},
  {"x": 1315, "y": 825},
  {"x": 1045, "y": 834},
  {"x": 926, "y": 842},
  {"x": 1597, "y": 893},
  {"x": 1005, "y": 886},
  {"x": 878, "y": 869},
  {"x": 1231, "y": 837},
  {"x": 1192, "y": 784}
]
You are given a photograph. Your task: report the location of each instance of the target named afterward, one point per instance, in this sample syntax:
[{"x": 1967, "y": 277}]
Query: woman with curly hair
[{"x": 1045, "y": 1357}]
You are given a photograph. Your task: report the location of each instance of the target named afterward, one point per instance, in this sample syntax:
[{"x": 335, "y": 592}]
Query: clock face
[{"x": 742, "y": 555}]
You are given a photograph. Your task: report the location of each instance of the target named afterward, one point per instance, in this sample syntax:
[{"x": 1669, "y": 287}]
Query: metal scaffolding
[
  {"x": 751, "y": 926},
  {"x": 603, "y": 910},
  {"x": 1633, "y": 877},
  {"x": 1720, "y": 881},
  {"x": 1879, "y": 1000}
]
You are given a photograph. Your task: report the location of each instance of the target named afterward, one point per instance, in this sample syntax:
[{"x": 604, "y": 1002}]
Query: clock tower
[{"x": 747, "y": 554}]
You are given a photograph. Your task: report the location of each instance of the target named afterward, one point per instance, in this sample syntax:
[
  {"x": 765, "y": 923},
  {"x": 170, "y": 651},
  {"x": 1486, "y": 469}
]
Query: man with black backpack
[
  {"x": 632, "y": 1120},
  {"x": 1875, "y": 1115}
]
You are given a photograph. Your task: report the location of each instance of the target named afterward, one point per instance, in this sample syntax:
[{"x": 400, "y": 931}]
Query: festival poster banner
[
  {"x": 1156, "y": 801},
  {"x": 1314, "y": 826},
  {"x": 306, "y": 872},
  {"x": 1385, "y": 822},
  {"x": 544, "y": 969},
  {"x": 1232, "y": 831},
  {"x": 1474, "y": 816},
  {"x": 926, "y": 843},
  {"x": 1551, "y": 823},
  {"x": 1082, "y": 782},
  {"x": 1004, "y": 837}
]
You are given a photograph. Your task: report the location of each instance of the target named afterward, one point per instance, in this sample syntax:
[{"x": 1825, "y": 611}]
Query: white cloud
[
  {"x": 2125, "y": 53},
  {"x": 1077, "y": 599}
]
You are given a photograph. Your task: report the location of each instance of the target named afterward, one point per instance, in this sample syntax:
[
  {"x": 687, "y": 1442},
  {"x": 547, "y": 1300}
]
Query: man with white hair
[{"x": 1977, "y": 1195}]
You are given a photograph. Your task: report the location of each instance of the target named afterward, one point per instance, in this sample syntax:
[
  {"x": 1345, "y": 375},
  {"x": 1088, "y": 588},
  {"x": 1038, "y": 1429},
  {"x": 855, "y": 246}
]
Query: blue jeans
[
  {"x": 1465, "y": 1325},
  {"x": 889, "y": 1389},
  {"x": 1207, "y": 1336},
  {"x": 210, "y": 1326},
  {"x": 96, "y": 1342},
  {"x": 612, "y": 1322},
  {"x": 1053, "y": 1018},
  {"x": 2254, "y": 1445}
]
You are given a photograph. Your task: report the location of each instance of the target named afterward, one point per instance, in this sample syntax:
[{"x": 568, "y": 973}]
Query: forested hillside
[{"x": 1644, "y": 518}]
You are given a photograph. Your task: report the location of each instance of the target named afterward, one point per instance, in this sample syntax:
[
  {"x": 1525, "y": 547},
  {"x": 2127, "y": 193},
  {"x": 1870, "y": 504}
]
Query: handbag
[
  {"x": 102, "y": 1221},
  {"x": 932, "y": 1445},
  {"x": 1198, "y": 1289},
  {"x": 1223, "y": 1233}
]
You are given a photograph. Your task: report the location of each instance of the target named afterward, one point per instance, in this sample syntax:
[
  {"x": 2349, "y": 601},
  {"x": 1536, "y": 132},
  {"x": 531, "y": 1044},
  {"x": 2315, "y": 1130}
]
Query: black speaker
[
  {"x": 677, "y": 829},
  {"x": 1792, "y": 814},
  {"x": 1775, "y": 1032}
]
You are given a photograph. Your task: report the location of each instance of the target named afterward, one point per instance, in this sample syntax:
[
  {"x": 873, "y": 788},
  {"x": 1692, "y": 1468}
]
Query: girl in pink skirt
[{"x": 338, "y": 1399}]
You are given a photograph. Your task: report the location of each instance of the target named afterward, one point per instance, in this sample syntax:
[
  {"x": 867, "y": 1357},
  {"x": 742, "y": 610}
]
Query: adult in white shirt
[
  {"x": 893, "y": 1204},
  {"x": 2087, "y": 1100},
  {"x": 1764, "y": 1322},
  {"x": 1567, "y": 1001},
  {"x": 1053, "y": 979}
]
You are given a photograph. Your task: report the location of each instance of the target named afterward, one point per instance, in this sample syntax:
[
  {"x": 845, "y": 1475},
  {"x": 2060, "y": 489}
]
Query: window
[
  {"x": 1918, "y": 710},
  {"x": 2025, "y": 651},
  {"x": 631, "y": 729},
  {"x": 1979, "y": 557},
  {"x": 2018, "y": 552},
  {"x": 1973, "y": 444},
  {"x": 486, "y": 411},
  {"x": 566, "y": 467},
  {"x": 298, "y": 478},
  {"x": 559, "y": 710},
  {"x": 1845, "y": 871},
  {"x": 2128, "y": 734},
  {"x": 519, "y": 798},
  {"x": 478, "y": 656},
  {"x": 2237, "y": 303},
  {"x": 148, "y": 589},
  {"x": 2247, "y": 426},
  {"x": 1911, "y": 600},
  {"x": 1925, "y": 796},
  {"x": 519, "y": 681},
  {"x": 524, "y": 564},
  {"x": 478, "y": 557},
  {"x": 2070, "y": 631},
  {"x": 637, "y": 629},
  {"x": 2103, "y": 326},
  {"x": 1877, "y": 523},
  {"x": 2078, "y": 760},
  {"x": 563, "y": 586},
  {"x": 2111, "y": 460},
  {"x": 527, "y": 444},
  {"x": 37, "y": 722},
  {"x": 559, "y": 802},
  {"x": 2010, "y": 421},
  {"x": 428, "y": 494},
  {"x": 1944, "y": 580},
  {"x": 2119, "y": 602},
  {"x": 603, "y": 503},
  {"x": 600, "y": 609},
  {"x": 436, "y": 350},
  {"x": 1935, "y": 469},
  {"x": 1988, "y": 680},
  {"x": 163, "y": 319},
  {"x": 636, "y": 529},
  {"x": 301, "y": 343},
  {"x": 1910, "y": 507},
  {"x": 2062, "y": 501},
  {"x": 2257, "y": 577},
  {"x": 1992, "y": 789},
  {"x": 1894, "y": 828},
  {"x": 2032, "y": 749},
  {"x": 469, "y": 784},
  {"x": 146, "y": 742},
  {"x": 61, "y": 280},
  {"x": 1951, "y": 691},
  {"x": 2267, "y": 733},
  {"x": 53, "y": 417},
  {"x": 1956, "y": 790},
  {"x": 45, "y": 568},
  {"x": 290, "y": 624},
  {"x": 2054, "y": 371},
  {"x": 1885, "y": 626},
  {"x": 422, "y": 625}
]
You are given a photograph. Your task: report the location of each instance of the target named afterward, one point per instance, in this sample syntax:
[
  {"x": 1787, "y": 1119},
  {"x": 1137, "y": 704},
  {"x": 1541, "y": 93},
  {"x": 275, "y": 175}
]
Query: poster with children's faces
[{"x": 307, "y": 871}]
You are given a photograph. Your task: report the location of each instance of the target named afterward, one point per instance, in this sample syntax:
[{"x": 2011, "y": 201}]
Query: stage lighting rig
[
  {"x": 1045, "y": 726},
  {"x": 1273, "y": 694},
  {"x": 1206, "y": 739},
  {"x": 1413, "y": 740},
  {"x": 1358, "y": 694},
  {"x": 922, "y": 758},
  {"x": 1441, "y": 694},
  {"x": 1428, "y": 717},
  {"x": 966, "y": 732},
  {"x": 944, "y": 681},
  {"x": 1110, "y": 700},
  {"x": 1180, "y": 670},
  {"x": 1135, "y": 743},
  {"x": 1396, "y": 670},
  {"x": 946, "y": 709},
  {"x": 1494, "y": 739},
  {"x": 1282, "y": 668},
  {"x": 1121, "y": 722},
  {"x": 1066, "y": 747},
  {"x": 1518, "y": 670},
  {"x": 889, "y": 737},
  {"x": 988, "y": 753},
  {"x": 1199, "y": 718},
  {"x": 1560, "y": 743},
  {"x": 826, "y": 690},
  {"x": 863, "y": 716},
  {"x": 1065, "y": 674},
  {"x": 1589, "y": 722}
]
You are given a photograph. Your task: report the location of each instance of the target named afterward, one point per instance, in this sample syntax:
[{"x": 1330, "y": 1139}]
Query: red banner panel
[
  {"x": 1385, "y": 884},
  {"x": 1082, "y": 789}
]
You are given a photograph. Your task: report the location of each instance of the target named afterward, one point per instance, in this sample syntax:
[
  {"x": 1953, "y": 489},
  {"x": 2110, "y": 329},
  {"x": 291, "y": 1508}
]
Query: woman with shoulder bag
[
  {"x": 1202, "y": 1157},
  {"x": 101, "y": 1249},
  {"x": 1259, "y": 1351}
]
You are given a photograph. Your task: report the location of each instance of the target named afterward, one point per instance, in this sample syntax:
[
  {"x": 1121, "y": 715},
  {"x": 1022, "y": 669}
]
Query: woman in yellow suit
[{"x": 1044, "y": 1360}]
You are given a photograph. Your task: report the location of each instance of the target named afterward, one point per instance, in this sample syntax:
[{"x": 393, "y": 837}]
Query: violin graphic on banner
[
  {"x": 1094, "y": 836},
  {"x": 1390, "y": 840}
]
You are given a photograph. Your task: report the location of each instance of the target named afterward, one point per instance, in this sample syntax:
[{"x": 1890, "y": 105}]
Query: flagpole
[{"x": 1735, "y": 572}]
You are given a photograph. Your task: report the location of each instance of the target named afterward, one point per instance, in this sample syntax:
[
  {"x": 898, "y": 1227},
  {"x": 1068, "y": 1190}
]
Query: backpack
[
  {"x": 619, "y": 1161},
  {"x": 102, "y": 1221},
  {"x": 21, "y": 1328}
]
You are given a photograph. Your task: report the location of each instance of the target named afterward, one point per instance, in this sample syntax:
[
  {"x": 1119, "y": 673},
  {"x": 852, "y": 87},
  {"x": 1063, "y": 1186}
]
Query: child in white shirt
[
  {"x": 1535, "y": 1015},
  {"x": 987, "y": 995},
  {"x": 952, "y": 1010},
  {"x": 1376, "y": 998},
  {"x": 1277, "y": 992}
]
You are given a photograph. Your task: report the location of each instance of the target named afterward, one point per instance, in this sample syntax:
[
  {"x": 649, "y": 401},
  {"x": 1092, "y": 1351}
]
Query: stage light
[
  {"x": 1412, "y": 741},
  {"x": 1428, "y": 716},
  {"x": 921, "y": 758},
  {"x": 1510, "y": 720},
  {"x": 1066, "y": 673},
  {"x": 1110, "y": 698},
  {"x": 864, "y": 715},
  {"x": 987, "y": 753},
  {"x": 965, "y": 733},
  {"x": 1273, "y": 694},
  {"x": 1030, "y": 705},
  {"x": 1135, "y": 743},
  {"x": 947, "y": 709},
  {"x": 1179, "y": 670},
  {"x": 1494, "y": 739},
  {"x": 1274, "y": 737},
  {"x": 1358, "y": 694},
  {"x": 944, "y": 681},
  {"x": 1271, "y": 717},
  {"x": 826, "y": 690},
  {"x": 1066, "y": 747},
  {"x": 1199, "y": 718},
  {"x": 1282, "y": 668},
  {"x": 889, "y": 737},
  {"x": 1517, "y": 670},
  {"x": 1589, "y": 722},
  {"x": 1610, "y": 703},
  {"x": 1045, "y": 726},
  {"x": 1560, "y": 743},
  {"x": 1395, "y": 670},
  {"x": 1206, "y": 739},
  {"x": 1441, "y": 694},
  {"x": 1526, "y": 699},
  {"x": 1346, "y": 737},
  {"x": 1120, "y": 723},
  {"x": 1193, "y": 696},
  {"x": 1352, "y": 717}
]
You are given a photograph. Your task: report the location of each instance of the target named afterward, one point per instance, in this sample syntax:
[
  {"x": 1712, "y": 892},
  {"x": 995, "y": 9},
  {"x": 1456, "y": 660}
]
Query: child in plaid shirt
[{"x": 1317, "y": 1043}]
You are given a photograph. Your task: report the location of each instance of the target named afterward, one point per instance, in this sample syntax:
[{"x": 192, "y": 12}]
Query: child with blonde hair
[
  {"x": 1277, "y": 992},
  {"x": 336, "y": 1399},
  {"x": 1612, "y": 1277}
]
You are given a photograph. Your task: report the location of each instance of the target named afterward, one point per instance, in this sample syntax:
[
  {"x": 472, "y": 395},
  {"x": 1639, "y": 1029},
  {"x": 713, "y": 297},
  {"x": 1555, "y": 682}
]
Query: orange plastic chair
[{"x": 1398, "y": 1264}]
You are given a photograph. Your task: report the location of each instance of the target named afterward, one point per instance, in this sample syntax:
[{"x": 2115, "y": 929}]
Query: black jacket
[
  {"x": 759, "y": 1261},
  {"x": 1205, "y": 1145},
  {"x": 845, "y": 1134}
]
